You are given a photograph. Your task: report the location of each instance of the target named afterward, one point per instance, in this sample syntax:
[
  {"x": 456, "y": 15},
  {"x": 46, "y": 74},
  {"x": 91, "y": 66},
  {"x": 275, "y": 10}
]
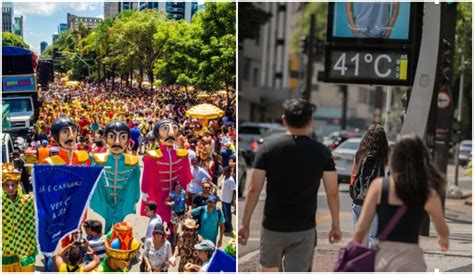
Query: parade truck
[{"x": 19, "y": 89}]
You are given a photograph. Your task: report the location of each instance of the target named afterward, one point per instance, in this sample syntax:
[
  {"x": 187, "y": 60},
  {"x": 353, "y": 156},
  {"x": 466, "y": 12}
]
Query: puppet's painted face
[
  {"x": 168, "y": 133},
  {"x": 67, "y": 137},
  {"x": 117, "y": 141}
]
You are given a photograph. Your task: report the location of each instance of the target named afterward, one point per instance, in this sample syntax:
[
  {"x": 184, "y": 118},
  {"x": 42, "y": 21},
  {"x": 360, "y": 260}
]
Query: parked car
[
  {"x": 241, "y": 175},
  {"x": 249, "y": 135},
  {"x": 344, "y": 156},
  {"x": 336, "y": 138},
  {"x": 465, "y": 152}
]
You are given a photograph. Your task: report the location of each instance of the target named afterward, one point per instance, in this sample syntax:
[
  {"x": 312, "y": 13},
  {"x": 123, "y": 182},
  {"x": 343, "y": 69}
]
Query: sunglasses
[
  {"x": 188, "y": 229},
  {"x": 207, "y": 188}
]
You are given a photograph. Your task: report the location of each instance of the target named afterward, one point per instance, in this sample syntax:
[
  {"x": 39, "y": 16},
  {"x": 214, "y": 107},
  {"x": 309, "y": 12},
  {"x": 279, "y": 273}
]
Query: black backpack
[{"x": 369, "y": 169}]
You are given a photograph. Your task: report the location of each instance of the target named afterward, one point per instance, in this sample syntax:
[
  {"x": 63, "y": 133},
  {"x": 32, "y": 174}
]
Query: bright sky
[{"x": 41, "y": 19}]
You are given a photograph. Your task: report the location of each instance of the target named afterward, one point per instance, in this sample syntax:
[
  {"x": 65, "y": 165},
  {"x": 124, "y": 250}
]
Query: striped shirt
[{"x": 96, "y": 244}]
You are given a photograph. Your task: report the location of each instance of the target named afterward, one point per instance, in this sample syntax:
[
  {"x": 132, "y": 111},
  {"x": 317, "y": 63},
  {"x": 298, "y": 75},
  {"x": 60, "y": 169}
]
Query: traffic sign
[{"x": 444, "y": 100}]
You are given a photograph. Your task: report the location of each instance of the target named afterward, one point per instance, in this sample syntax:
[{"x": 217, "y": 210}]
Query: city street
[{"x": 458, "y": 217}]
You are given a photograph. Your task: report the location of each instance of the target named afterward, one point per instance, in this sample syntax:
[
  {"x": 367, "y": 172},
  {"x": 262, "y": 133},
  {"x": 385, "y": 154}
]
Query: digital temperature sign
[{"x": 387, "y": 67}]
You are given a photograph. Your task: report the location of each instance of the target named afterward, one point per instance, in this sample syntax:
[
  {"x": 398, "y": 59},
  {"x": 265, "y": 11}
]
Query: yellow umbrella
[{"x": 204, "y": 112}]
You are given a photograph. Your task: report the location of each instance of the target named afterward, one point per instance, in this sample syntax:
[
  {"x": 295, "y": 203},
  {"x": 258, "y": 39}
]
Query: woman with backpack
[
  {"x": 414, "y": 183},
  {"x": 369, "y": 164}
]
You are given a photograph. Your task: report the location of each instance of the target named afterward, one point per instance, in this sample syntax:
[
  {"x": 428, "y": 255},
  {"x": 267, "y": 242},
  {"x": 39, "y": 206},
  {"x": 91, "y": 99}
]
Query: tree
[
  {"x": 10, "y": 39},
  {"x": 217, "y": 59}
]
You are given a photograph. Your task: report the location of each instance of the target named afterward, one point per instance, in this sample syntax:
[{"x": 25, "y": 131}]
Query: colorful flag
[
  {"x": 62, "y": 194},
  {"x": 222, "y": 262}
]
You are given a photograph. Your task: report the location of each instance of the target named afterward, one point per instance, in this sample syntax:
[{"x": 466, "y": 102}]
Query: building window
[
  {"x": 246, "y": 72},
  {"x": 364, "y": 95},
  {"x": 255, "y": 78}
]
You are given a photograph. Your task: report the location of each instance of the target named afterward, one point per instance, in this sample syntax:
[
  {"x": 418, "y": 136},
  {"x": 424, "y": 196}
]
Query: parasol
[{"x": 204, "y": 112}]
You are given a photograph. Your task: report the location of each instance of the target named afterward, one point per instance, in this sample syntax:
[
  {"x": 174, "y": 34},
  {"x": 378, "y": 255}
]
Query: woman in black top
[{"x": 415, "y": 182}]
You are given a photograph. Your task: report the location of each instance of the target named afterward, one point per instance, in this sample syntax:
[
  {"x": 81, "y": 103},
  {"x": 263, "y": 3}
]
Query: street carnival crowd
[{"x": 181, "y": 169}]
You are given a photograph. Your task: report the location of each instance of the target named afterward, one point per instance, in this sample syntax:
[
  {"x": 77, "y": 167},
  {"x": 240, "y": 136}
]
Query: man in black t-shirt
[{"x": 293, "y": 166}]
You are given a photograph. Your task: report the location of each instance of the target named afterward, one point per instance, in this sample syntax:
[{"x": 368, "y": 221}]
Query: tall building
[
  {"x": 55, "y": 37},
  {"x": 175, "y": 10},
  {"x": 7, "y": 16},
  {"x": 111, "y": 9},
  {"x": 43, "y": 46},
  {"x": 73, "y": 21},
  {"x": 18, "y": 26},
  {"x": 62, "y": 28}
]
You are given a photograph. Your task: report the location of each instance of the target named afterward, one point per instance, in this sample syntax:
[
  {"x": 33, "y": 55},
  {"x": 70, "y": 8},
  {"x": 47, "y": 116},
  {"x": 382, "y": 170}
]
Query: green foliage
[
  {"x": 200, "y": 53},
  {"x": 10, "y": 39}
]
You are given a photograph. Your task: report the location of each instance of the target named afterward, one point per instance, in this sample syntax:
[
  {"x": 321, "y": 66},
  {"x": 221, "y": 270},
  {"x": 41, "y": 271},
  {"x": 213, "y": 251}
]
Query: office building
[
  {"x": 62, "y": 28},
  {"x": 7, "y": 16},
  {"x": 18, "y": 26},
  {"x": 43, "y": 46},
  {"x": 174, "y": 10},
  {"x": 73, "y": 21},
  {"x": 55, "y": 37}
]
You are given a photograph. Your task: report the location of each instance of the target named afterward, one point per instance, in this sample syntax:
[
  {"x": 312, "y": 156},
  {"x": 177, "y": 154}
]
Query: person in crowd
[
  {"x": 228, "y": 195},
  {"x": 185, "y": 248},
  {"x": 19, "y": 163},
  {"x": 74, "y": 255},
  {"x": 201, "y": 198},
  {"x": 226, "y": 153},
  {"x": 116, "y": 202},
  {"x": 199, "y": 175},
  {"x": 297, "y": 159},
  {"x": 18, "y": 224},
  {"x": 177, "y": 201},
  {"x": 414, "y": 182},
  {"x": 158, "y": 251},
  {"x": 43, "y": 152},
  {"x": 93, "y": 231},
  {"x": 369, "y": 164},
  {"x": 150, "y": 210},
  {"x": 211, "y": 221},
  {"x": 206, "y": 248}
]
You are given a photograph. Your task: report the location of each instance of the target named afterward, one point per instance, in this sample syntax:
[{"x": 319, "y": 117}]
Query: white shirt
[
  {"x": 151, "y": 226},
  {"x": 228, "y": 189}
]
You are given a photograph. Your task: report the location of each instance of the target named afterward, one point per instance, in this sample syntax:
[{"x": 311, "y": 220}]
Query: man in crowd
[
  {"x": 201, "y": 198},
  {"x": 150, "y": 211},
  {"x": 118, "y": 189},
  {"x": 293, "y": 166},
  {"x": 187, "y": 239},
  {"x": 211, "y": 220},
  {"x": 200, "y": 176}
]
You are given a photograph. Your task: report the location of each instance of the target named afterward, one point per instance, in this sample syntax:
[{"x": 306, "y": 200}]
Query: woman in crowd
[
  {"x": 369, "y": 163},
  {"x": 415, "y": 183},
  {"x": 157, "y": 252}
]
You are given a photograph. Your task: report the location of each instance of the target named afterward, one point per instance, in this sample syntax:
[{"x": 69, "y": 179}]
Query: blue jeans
[
  {"x": 226, "y": 209},
  {"x": 356, "y": 209}
]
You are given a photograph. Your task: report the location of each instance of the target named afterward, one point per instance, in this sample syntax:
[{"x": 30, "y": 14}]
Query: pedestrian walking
[
  {"x": 211, "y": 221},
  {"x": 228, "y": 193},
  {"x": 293, "y": 166},
  {"x": 369, "y": 164},
  {"x": 414, "y": 182},
  {"x": 150, "y": 211}
]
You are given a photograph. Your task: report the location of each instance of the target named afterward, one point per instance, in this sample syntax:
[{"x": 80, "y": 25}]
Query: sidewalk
[{"x": 457, "y": 259}]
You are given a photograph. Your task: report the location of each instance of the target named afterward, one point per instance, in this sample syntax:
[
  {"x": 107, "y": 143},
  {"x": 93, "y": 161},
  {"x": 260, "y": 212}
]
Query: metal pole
[
  {"x": 388, "y": 104},
  {"x": 456, "y": 154},
  {"x": 309, "y": 65},
  {"x": 344, "y": 107}
]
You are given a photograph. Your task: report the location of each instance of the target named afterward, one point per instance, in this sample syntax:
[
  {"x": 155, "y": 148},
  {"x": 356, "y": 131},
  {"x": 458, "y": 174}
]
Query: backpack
[
  {"x": 201, "y": 211},
  {"x": 369, "y": 170}
]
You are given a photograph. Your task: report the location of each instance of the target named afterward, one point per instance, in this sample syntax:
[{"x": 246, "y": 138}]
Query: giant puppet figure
[
  {"x": 64, "y": 131},
  {"x": 163, "y": 167},
  {"x": 118, "y": 190}
]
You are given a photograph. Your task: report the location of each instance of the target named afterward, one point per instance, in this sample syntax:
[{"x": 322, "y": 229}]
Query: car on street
[
  {"x": 336, "y": 138},
  {"x": 465, "y": 152},
  {"x": 249, "y": 135},
  {"x": 344, "y": 156}
]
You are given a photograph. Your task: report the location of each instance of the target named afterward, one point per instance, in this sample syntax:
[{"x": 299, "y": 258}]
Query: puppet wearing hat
[{"x": 18, "y": 224}]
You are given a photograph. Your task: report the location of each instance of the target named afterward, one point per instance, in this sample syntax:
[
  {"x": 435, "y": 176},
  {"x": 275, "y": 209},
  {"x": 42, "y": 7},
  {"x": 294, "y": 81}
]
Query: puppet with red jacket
[{"x": 162, "y": 167}]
